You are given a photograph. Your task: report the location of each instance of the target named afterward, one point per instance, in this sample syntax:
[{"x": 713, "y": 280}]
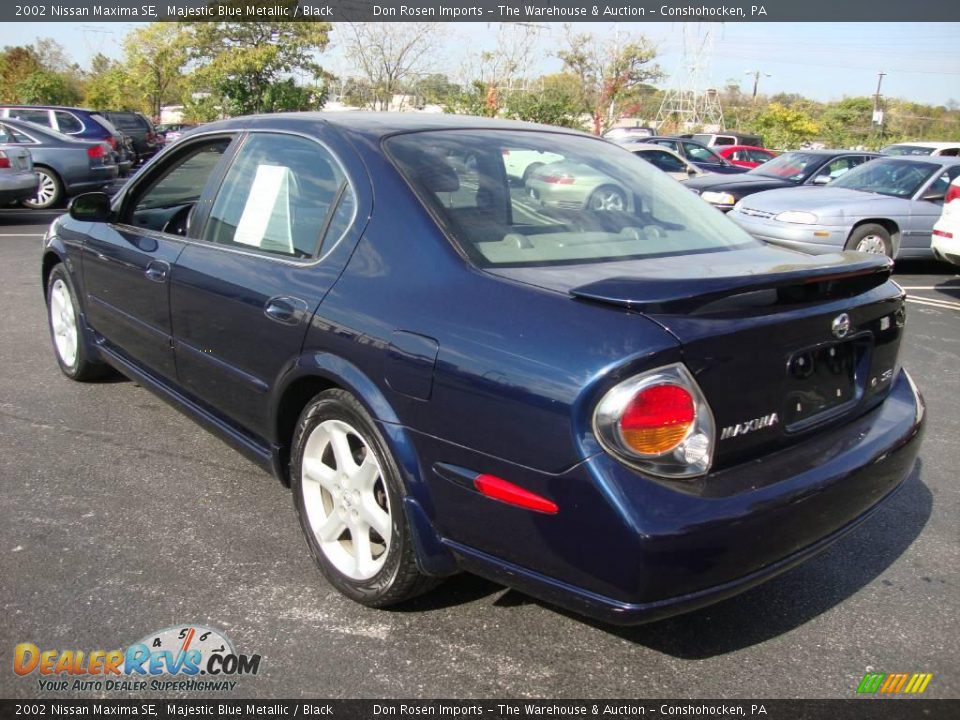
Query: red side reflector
[
  {"x": 500, "y": 489},
  {"x": 556, "y": 179},
  {"x": 943, "y": 234}
]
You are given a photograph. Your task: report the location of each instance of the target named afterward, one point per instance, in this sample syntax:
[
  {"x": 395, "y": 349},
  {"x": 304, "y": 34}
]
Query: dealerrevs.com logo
[{"x": 183, "y": 658}]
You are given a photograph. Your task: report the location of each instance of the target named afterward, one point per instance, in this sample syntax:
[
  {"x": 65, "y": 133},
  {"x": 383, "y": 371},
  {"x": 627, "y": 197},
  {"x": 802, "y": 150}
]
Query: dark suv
[
  {"x": 78, "y": 123},
  {"x": 146, "y": 141}
]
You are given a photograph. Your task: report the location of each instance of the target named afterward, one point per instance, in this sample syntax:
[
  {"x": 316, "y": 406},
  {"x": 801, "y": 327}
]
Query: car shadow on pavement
[{"x": 799, "y": 595}]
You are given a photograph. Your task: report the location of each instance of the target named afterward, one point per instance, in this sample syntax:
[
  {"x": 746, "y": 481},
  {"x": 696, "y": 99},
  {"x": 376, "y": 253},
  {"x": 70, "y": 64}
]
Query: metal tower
[{"x": 687, "y": 106}]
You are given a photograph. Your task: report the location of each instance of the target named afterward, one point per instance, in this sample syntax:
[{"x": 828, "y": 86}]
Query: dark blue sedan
[{"x": 628, "y": 411}]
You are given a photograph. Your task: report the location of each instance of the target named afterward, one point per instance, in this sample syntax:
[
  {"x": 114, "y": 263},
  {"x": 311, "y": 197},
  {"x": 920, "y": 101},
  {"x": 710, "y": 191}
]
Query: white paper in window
[{"x": 265, "y": 222}]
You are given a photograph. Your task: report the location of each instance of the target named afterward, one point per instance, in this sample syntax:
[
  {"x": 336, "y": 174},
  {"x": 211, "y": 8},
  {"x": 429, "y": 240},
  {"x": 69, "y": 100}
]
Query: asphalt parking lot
[{"x": 122, "y": 517}]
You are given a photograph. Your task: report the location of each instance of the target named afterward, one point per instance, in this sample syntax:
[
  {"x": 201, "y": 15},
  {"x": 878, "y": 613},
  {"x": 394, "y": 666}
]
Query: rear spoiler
[{"x": 839, "y": 275}]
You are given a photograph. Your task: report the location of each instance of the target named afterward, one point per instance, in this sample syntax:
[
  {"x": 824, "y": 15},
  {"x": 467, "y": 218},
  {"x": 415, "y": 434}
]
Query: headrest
[{"x": 437, "y": 175}]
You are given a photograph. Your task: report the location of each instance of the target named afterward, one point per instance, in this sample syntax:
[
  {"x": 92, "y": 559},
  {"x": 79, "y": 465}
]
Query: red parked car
[{"x": 746, "y": 156}]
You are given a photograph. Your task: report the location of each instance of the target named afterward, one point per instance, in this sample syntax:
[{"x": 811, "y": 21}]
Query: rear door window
[
  {"x": 840, "y": 166},
  {"x": 282, "y": 195},
  {"x": 40, "y": 117},
  {"x": 701, "y": 154},
  {"x": 663, "y": 160}
]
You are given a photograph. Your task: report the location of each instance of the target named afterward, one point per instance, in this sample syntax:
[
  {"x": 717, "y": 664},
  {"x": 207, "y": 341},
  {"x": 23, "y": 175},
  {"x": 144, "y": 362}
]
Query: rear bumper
[
  {"x": 947, "y": 248},
  {"x": 627, "y": 550},
  {"x": 19, "y": 186},
  {"x": 98, "y": 178}
]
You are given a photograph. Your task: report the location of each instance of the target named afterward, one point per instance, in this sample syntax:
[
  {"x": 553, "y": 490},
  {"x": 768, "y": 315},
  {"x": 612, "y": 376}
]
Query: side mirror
[
  {"x": 91, "y": 207},
  {"x": 692, "y": 171},
  {"x": 822, "y": 179},
  {"x": 934, "y": 197}
]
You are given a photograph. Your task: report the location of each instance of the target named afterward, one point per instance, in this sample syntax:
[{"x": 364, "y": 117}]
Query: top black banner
[{"x": 484, "y": 11}]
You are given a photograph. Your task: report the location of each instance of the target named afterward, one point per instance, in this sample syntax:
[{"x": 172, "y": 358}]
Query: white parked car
[
  {"x": 519, "y": 164},
  {"x": 946, "y": 233},
  {"x": 933, "y": 149}
]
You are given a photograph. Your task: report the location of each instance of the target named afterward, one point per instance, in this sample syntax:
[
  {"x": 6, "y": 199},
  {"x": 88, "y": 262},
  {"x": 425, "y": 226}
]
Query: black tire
[
  {"x": 873, "y": 236},
  {"x": 607, "y": 198},
  {"x": 80, "y": 366},
  {"x": 50, "y": 192},
  {"x": 398, "y": 577}
]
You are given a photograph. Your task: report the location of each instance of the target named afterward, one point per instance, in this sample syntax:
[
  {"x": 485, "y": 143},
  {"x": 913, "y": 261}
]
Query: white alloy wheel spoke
[
  {"x": 341, "y": 450},
  {"x": 341, "y": 502},
  {"x": 321, "y": 473},
  {"x": 363, "y": 559},
  {"x": 374, "y": 516},
  {"x": 366, "y": 475},
  {"x": 332, "y": 528}
]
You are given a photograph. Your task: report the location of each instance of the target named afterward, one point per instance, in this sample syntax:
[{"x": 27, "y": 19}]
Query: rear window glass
[
  {"x": 127, "y": 121},
  {"x": 68, "y": 123},
  {"x": 104, "y": 123},
  {"x": 907, "y": 150},
  {"x": 514, "y": 198},
  {"x": 795, "y": 166}
]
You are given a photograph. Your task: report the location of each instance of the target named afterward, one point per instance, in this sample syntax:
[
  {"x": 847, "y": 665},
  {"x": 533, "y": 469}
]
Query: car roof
[
  {"x": 48, "y": 107},
  {"x": 744, "y": 147},
  {"x": 639, "y": 145},
  {"x": 376, "y": 125},
  {"x": 938, "y": 145},
  {"x": 944, "y": 160}
]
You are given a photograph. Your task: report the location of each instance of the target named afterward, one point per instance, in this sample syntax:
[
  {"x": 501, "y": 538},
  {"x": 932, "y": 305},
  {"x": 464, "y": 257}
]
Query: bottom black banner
[{"x": 901, "y": 709}]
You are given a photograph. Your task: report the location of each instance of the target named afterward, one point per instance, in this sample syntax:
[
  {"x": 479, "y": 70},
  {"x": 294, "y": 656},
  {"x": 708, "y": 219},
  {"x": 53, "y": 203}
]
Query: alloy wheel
[
  {"x": 346, "y": 501},
  {"x": 607, "y": 199},
  {"x": 63, "y": 320}
]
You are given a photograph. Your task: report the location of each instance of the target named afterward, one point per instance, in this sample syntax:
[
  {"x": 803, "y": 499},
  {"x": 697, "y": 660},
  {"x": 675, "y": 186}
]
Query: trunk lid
[{"x": 764, "y": 333}]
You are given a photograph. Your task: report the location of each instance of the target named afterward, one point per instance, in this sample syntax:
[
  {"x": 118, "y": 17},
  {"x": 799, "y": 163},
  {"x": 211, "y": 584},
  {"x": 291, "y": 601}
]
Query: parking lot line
[
  {"x": 21, "y": 234},
  {"x": 930, "y": 302}
]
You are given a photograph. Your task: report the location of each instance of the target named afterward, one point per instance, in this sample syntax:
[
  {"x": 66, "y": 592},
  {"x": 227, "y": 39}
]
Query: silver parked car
[
  {"x": 17, "y": 180},
  {"x": 887, "y": 206},
  {"x": 63, "y": 166}
]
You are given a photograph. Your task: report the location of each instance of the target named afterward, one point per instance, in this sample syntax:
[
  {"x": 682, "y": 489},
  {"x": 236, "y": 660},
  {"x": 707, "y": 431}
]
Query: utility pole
[
  {"x": 756, "y": 80},
  {"x": 877, "y": 113}
]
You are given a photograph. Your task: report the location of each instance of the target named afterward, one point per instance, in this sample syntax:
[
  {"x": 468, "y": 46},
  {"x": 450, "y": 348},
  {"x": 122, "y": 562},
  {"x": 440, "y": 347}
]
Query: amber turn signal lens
[{"x": 657, "y": 419}]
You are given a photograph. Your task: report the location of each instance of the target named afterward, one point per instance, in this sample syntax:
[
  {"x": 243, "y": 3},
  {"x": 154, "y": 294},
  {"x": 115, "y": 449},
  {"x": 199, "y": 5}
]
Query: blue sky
[{"x": 824, "y": 61}]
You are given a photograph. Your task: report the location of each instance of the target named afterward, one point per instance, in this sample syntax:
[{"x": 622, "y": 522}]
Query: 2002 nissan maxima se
[{"x": 626, "y": 411}]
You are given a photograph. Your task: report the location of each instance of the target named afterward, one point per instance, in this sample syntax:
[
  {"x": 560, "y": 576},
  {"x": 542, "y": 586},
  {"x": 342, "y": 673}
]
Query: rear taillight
[
  {"x": 936, "y": 233},
  {"x": 4, "y": 160},
  {"x": 557, "y": 179},
  {"x": 657, "y": 419},
  {"x": 953, "y": 193},
  {"x": 96, "y": 152},
  {"x": 658, "y": 422},
  {"x": 112, "y": 141}
]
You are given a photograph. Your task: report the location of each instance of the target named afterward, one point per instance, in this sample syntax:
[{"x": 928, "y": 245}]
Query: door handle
[
  {"x": 157, "y": 270},
  {"x": 285, "y": 310}
]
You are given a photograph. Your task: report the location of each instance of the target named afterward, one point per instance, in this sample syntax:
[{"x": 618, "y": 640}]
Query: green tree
[
  {"x": 107, "y": 84},
  {"x": 784, "y": 127},
  {"x": 154, "y": 56},
  {"x": 238, "y": 62},
  {"x": 848, "y": 122},
  {"x": 39, "y": 74},
  {"x": 611, "y": 74}
]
